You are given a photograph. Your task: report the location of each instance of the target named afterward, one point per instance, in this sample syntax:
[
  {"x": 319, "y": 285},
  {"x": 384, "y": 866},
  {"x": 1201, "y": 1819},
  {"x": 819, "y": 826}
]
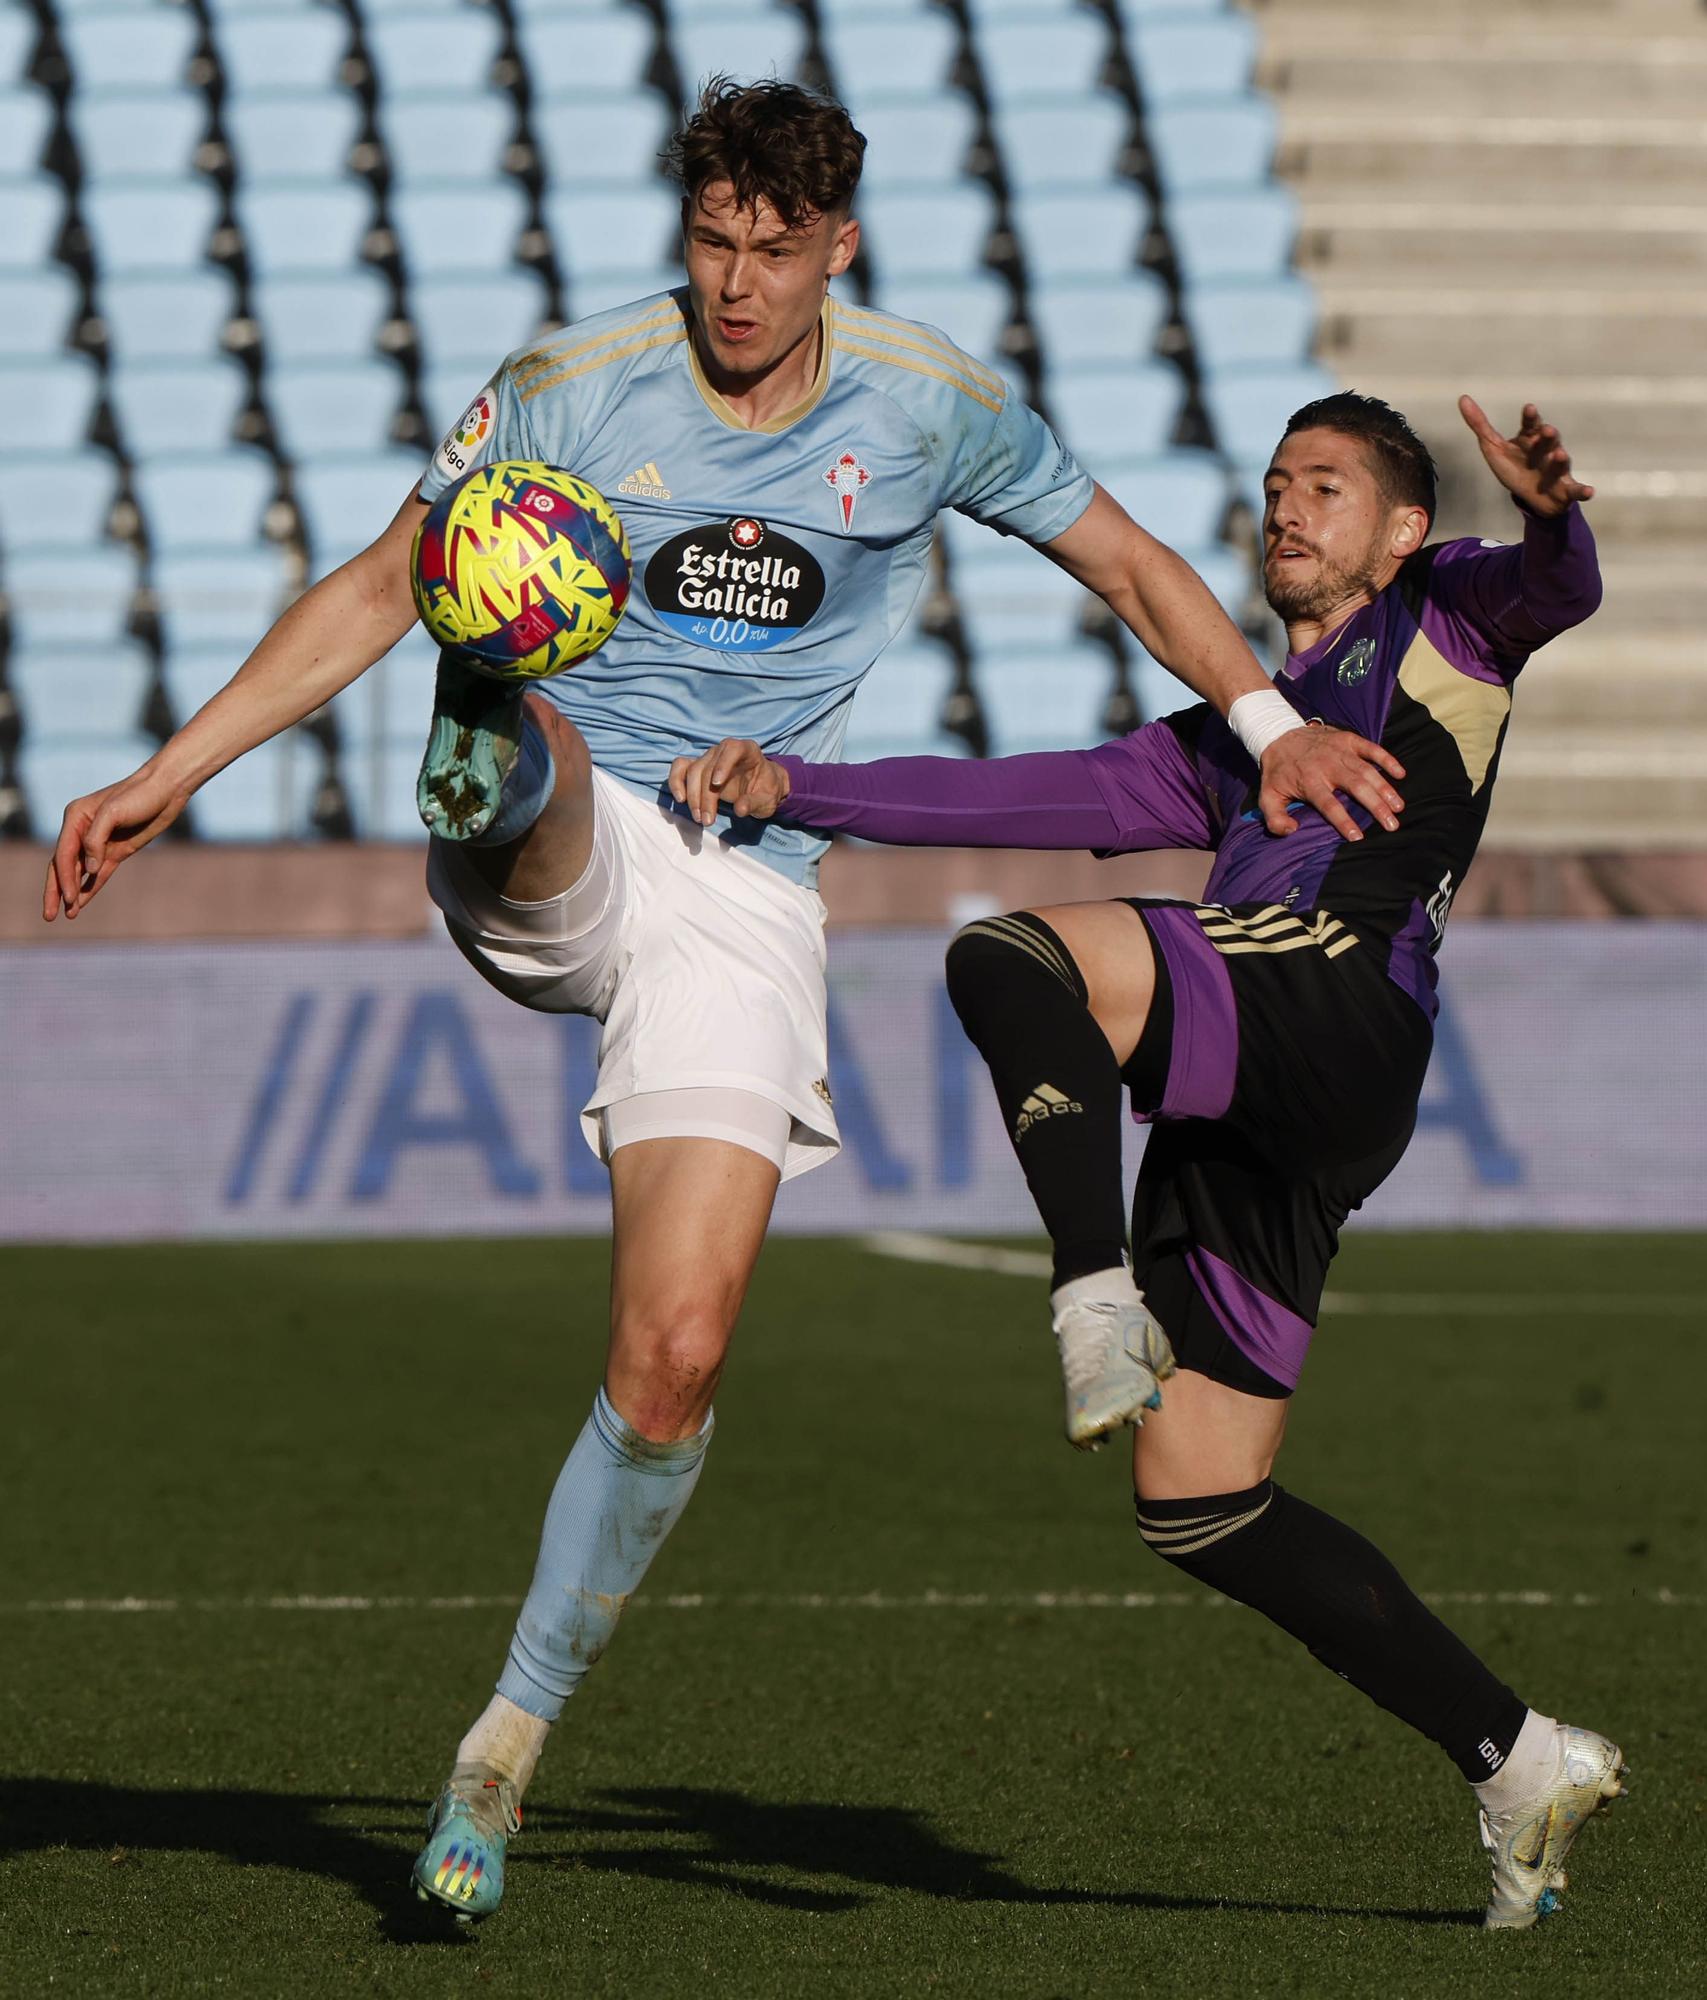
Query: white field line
[
  {"x": 870, "y": 1600},
  {"x": 916, "y": 1248}
]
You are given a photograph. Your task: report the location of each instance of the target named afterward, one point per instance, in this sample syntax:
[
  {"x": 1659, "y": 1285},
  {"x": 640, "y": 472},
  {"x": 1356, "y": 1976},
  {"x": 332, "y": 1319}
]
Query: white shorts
[{"x": 705, "y": 967}]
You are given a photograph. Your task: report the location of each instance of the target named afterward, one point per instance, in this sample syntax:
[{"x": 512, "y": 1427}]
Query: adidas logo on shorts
[{"x": 1044, "y": 1102}]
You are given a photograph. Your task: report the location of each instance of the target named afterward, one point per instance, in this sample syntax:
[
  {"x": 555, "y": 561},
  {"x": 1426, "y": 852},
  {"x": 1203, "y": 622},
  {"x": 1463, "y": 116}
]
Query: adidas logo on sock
[
  {"x": 645, "y": 483},
  {"x": 1044, "y": 1102}
]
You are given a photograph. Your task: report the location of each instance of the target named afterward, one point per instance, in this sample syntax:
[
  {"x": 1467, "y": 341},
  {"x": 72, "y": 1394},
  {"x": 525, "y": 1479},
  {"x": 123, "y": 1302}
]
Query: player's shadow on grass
[{"x": 801, "y": 1856}]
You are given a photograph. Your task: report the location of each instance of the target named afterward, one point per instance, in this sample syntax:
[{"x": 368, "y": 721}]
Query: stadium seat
[
  {"x": 58, "y": 500},
  {"x": 620, "y": 137},
  {"x": 263, "y": 796},
  {"x": 165, "y": 319},
  {"x": 973, "y": 311},
  {"x": 1006, "y": 593},
  {"x": 1138, "y": 13},
  {"x": 985, "y": 14},
  {"x": 38, "y": 311},
  {"x": 595, "y": 292},
  {"x": 415, "y": 54},
  {"x": 32, "y": 213},
  {"x": 912, "y": 139},
  {"x": 120, "y": 134},
  {"x": 26, "y": 120},
  {"x": 897, "y": 708},
  {"x": 1221, "y": 143},
  {"x": 738, "y": 43},
  {"x": 331, "y": 318},
  {"x": 1245, "y": 322},
  {"x": 219, "y": 596},
  {"x": 460, "y": 327},
  {"x": 391, "y": 703},
  {"x": 1097, "y": 319},
  {"x": 1179, "y": 496},
  {"x": 94, "y": 611},
  {"x": 1249, "y": 406},
  {"x": 447, "y": 392},
  {"x": 301, "y": 50},
  {"x": 345, "y": 502},
  {"x": 55, "y": 771},
  {"x": 1044, "y": 699},
  {"x": 193, "y": 675},
  {"x": 155, "y": 226},
  {"x": 885, "y": 52},
  {"x": 608, "y": 231},
  {"x": 1243, "y": 235},
  {"x": 447, "y": 135},
  {"x": 129, "y": 48},
  {"x": 174, "y": 407},
  {"x": 68, "y": 692},
  {"x": 219, "y": 9},
  {"x": 291, "y": 135},
  {"x": 205, "y": 499},
  {"x": 325, "y": 407},
  {"x": 1063, "y": 54},
  {"x": 318, "y": 227},
  {"x": 1096, "y": 231},
  {"x": 450, "y": 228},
  {"x": 1123, "y": 411},
  {"x": 386, "y": 810},
  {"x": 559, "y": 52},
  {"x": 49, "y": 404},
  {"x": 1211, "y": 55},
  {"x": 1048, "y": 142},
  {"x": 928, "y": 232},
  {"x": 19, "y": 33}
]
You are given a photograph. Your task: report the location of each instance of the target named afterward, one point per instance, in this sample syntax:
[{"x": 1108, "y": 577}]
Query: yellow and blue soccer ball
[{"x": 522, "y": 569}]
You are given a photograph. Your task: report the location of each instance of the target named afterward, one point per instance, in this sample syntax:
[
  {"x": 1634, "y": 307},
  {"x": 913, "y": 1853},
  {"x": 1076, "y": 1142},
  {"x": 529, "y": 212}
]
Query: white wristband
[{"x": 1257, "y": 719}]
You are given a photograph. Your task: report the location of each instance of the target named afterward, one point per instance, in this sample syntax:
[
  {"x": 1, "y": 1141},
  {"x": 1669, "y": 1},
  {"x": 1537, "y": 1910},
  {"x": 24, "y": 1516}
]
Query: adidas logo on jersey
[
  {"x": 647, "y": 483},
  {"x": 1044, "y": 1102}
]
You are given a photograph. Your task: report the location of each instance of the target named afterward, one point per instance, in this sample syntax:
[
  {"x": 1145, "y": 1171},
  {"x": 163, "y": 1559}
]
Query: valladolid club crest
[{"x": 1356, "y": 664}]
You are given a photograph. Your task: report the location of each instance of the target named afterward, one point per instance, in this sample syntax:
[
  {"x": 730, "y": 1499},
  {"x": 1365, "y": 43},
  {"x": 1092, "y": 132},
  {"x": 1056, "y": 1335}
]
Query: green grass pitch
[{"x": 759, "y": 1794}]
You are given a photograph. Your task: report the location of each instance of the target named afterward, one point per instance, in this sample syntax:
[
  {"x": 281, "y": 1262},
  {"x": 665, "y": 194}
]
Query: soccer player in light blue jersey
[{"x": 778, "y": 459}]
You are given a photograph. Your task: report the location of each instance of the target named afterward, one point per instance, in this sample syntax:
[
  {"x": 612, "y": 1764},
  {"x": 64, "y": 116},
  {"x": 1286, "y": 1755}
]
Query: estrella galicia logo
[
  {"x": 1356, "y": 664},
  {"x": 738, "y": 586}
]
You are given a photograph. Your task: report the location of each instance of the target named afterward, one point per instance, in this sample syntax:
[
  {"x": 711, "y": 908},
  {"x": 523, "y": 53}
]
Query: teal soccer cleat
[
  {"x": 1527, "y": 1845},
  {"x": 462, "y": 1865},
  {"x": 475, "y": 742}
]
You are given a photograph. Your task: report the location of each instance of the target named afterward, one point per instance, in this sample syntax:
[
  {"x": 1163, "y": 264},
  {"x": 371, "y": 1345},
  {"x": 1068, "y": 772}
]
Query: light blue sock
[
  {"x": 615, "y": 1500},
  {"x": 527, "y": 790}
]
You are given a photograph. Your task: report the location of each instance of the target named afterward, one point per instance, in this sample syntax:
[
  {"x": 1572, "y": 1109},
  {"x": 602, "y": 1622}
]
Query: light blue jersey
[{"x": 771, "y": 566}]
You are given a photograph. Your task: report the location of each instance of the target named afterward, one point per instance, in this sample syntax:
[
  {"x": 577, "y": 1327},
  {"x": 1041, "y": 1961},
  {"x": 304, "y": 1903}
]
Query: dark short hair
[
  {"x": 774, "y": 142},
  {"x": 1397, "y": 456}
]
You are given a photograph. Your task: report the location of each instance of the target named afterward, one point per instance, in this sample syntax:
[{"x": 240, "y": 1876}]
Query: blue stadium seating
[
  {"x": 468, "y": 327},
  {"x": 738, "y": 43},
  {"x": 32, "y": 213},
  {"x": 885, "y": 52},
  {"x": 928, "y": 232},
  {"x": 1241, "y": 322},
  {"x": 1096, "y": 231},
  {"x": 205, "y": 499},
  {"x": 48, "y": 607},
  {"x": 614, "y": 231},
  {"x": 336, "y": 317},
  {"x": 596, "y": 292},
  {"x": 129, "y": 48},
  {"x": 1221, "y": 143},
  {"x": 26, "y": 120},
  {"x": 609, "y": 137},
  {"x": 19, "y": 33},
  {"x": 173, "y": 407},
  {"x": 1054, "y": 141},
  {"x": 55, "y": 770},
  {"x": 219, "y": 596},
  {"x": 303, "y": 50},
  {"x": 897, "y": 707},
  {"x": 291, "y": 135},
  {"x": 1248, "y": 234},
  {"x": 974, "y": 310},
  {"x": 585, "y": 49},
  {"x": 38, "y": 310},
  {"x": 1180, "y": 496},
  {"x": 1249, "y": 406},
  {"x": 120, "y": 134},
  {"x": 177, "y": 318},
  {"x": 1006, "y": 593},
  {"x": 263, "y": 796},
  {"x": 345, "y": 502},
  {"x": 1045, "y": 699},
  {"x": 324, "y": 408},
  {"x": 1210, "y": 55},
  {"x": 1080, "y": 320},
  {"x": 447, "y": 135},
  {"x": 1121, "y": 411},
  {"x": 49, "y": 404},
  {"x": 59, "y": 500},
  {"x": 65, "y": 691},
  {"x": 432, "y": 54},
  {"x": 318, "y": 227},
  {"x": 1032, "y": 58},
  {"x": 153, "y": 226},
  {"x": 910, "y": 139},
  {"x": 447, "y": 228}
]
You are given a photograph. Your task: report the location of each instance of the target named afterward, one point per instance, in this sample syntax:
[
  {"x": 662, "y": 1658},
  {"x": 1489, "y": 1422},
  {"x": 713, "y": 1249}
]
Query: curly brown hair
[{"x": 774, "y": 142}]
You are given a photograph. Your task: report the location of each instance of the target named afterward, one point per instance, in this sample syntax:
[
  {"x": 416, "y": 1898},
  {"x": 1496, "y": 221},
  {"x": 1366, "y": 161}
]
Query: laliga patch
[
  {"x": 738, "y": 586},
  {"x": 466, "y": 440},
  {"x": 847, "y": 479}
]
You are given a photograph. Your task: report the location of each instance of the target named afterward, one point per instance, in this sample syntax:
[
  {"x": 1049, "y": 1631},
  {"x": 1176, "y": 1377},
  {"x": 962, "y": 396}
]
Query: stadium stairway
[{"x": 1504, "y": 196}]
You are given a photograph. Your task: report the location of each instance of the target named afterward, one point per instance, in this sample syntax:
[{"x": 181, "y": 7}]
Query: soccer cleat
[
  {"x": 1114, "y": 1355},
  {"x": 1528, "y": 1844},
  {"x": 475, "y": 742},
  {"x": 462, "y": 1865}
]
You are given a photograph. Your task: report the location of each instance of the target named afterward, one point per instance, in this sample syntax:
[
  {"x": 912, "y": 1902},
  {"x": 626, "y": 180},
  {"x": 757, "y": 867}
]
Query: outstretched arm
[{"x": 328, "y": 637}]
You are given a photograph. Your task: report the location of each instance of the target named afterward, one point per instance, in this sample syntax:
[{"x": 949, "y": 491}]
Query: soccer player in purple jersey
[{"x": 1274, "y": 1035}]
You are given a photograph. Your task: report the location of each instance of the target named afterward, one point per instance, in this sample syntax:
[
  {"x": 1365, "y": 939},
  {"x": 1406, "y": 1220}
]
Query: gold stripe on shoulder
[
  {"x": 919, "y": 340},
  {"x": 552, "y": 355},
  {"x": 954, "y": 379},
  {"x": 669, "y": 337}
]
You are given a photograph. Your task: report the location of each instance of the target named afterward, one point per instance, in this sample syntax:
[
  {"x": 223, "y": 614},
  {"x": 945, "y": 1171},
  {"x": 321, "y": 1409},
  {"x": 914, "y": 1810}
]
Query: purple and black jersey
[{"x": 1426, "y": 670}]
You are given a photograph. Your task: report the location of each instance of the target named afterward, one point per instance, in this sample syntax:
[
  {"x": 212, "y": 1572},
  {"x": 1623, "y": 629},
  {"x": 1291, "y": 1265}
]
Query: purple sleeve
[
  {"x": 1141, "y": 791},
  {"x": 1514, "y": 599}
]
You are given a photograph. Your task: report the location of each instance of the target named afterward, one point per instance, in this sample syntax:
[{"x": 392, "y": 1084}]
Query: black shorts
[{"x": 1280, "y": 1070}]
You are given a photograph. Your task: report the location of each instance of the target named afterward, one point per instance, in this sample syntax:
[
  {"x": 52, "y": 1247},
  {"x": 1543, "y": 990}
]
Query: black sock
[
  {"x": 1341, "y": 1596},
  {"x": 1022, "y": 1002}
]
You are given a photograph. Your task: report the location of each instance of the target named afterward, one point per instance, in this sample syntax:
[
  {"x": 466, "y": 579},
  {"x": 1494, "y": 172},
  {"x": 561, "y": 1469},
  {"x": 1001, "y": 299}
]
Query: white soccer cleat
[
  {"x": 1114, "y": 1356},
  {"x": 1527, "y": 1845}
]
